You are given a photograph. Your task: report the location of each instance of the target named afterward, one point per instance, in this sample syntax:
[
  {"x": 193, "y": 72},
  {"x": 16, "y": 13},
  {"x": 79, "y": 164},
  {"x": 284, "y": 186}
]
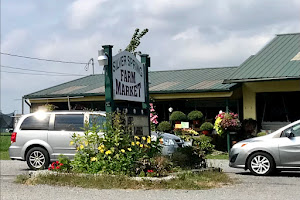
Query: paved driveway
[{"x": 283, "y": 186}]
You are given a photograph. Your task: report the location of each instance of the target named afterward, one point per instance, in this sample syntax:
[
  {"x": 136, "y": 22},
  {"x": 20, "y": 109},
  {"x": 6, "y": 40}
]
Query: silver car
[
  {"x": 39, "y": 138},
  {"x": 170, "y": 142},
  {"x": 278, "y": 151}
]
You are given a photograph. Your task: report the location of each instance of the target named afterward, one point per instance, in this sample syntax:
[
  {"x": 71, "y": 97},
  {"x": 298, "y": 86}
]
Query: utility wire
[
  {"x": 39, "y": 74},
  {"x": 42, "y": 59},
  {"x": 19, "y": 68}
]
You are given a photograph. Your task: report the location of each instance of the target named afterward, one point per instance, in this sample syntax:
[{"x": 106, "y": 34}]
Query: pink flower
[{"x": 151, "y": 115}]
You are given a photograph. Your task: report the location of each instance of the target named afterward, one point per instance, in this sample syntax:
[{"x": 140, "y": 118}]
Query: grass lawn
[
  {"x": 187, "y": 181},
  {"x": 4, "y": 145},
  {"x": 223, "y": 156}
]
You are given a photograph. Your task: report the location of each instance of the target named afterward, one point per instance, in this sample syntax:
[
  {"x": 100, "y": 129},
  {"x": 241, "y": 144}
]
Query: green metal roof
[
  {"x": 175, "y": 81},
  {"x": 279, "y": 59}
]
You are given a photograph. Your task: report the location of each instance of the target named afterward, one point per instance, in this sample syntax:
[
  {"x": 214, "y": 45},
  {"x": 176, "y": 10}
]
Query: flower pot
[{"x": 206, "y": 132}]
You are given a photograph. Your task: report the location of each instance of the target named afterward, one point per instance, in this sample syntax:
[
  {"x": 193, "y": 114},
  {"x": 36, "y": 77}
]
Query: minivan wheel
[
  {"x": 37, "y": 158},
  {"x": 261, "y": 164}
]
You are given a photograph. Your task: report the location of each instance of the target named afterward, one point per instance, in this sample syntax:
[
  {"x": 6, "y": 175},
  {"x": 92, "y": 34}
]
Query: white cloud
[
  {"x": 14, "y": 40},
  {"x": 191, "y": 33},
  {"x": 82, "y": 11}
]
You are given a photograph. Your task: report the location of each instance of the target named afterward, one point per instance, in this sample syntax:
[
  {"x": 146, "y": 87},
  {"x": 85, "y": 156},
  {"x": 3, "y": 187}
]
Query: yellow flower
[
  {"x": 122, "y": 150},
  {"x": 108, "y": 152},
  {"x": 71, "y": 143},
  {"x": 146, "y": 146},
  {"x": 129, "y": 149},
  {"x": 149, "y": 140},
  {"x": 144, "y": 138},
  {"x": 132, "y": 143},
  {"x": 137, "y": 137},
  {"x": 141, "y": 145},
  {"x": 99, "y": 148},
  {"x": 137, "y": 143},
  {"x": 93, "y": 159},
  {"x": 81, "y": 147},
  {"x": 86, "y": 143},
  {"x": 77, "y": 148},
  {"x": 102, "y": 146},
  {"x": 102, "y": 151}
]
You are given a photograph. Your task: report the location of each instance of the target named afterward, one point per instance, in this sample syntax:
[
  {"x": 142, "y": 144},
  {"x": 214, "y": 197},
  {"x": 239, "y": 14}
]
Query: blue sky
[{"x": 182, "y": 35}]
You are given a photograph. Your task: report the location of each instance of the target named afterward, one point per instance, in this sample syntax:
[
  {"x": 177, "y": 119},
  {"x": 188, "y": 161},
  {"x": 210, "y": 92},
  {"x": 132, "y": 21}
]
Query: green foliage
[
  {"x": 195, "y": 115},
  {"x": 164, "y": 126},
  {"x": 178, "y": 116},
  {"x": 206, "y": 126},
  {"x": 261, "y": 134},
  {"x": 186, "y": 157},
  {"x": 202, "y": 144},
  {"x": 193, "y": 156},
  {"x": 135, "y": 40},
  {"x": 50, "y": 107},
  {"x": 113, "y": 153},
  {"x": 66, "y": 163},
  {"x": 4, "y": 143}
]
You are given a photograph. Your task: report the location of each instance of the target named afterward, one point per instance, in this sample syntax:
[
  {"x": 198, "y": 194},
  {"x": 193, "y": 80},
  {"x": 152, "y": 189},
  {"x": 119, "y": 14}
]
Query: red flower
[
  {"x": 57, "y": 162},
  {"x": 58, "y": 167},
  {"x": 150, "y": 171},
  {"x": 49, "y": 168}
]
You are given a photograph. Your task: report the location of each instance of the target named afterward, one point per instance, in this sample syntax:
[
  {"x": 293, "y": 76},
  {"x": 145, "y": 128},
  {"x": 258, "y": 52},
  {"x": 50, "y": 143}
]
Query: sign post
[
  {"x": 127, "y": 88},
  {"x": 109, "y": 102}
]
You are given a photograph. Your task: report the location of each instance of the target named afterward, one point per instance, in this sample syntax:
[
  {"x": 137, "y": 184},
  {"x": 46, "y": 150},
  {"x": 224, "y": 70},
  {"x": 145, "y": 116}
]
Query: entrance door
[{"x": 289, "y": 148}]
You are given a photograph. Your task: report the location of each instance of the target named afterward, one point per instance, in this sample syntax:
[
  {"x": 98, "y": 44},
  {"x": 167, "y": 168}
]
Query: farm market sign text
[{"x": 128, "y": 78}]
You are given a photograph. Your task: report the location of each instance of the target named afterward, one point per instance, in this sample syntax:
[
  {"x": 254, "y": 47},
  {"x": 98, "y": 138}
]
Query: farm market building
[{"x": 265, "y": 87}]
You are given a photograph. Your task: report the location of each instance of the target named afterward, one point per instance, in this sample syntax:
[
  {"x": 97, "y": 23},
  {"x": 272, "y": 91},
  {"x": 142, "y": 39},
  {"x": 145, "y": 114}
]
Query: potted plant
[
  {"x": 206, "y": 128},
  {"x": 178, "y": 116},
  {"x": 227, "y": 122},
  {"x": 195, "y": 116},
  {"x": 164, "y": 126}
]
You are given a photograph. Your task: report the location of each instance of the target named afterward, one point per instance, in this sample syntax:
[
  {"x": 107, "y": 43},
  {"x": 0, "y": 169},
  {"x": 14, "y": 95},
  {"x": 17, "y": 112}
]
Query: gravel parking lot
[{"x": 282, "y": 186}]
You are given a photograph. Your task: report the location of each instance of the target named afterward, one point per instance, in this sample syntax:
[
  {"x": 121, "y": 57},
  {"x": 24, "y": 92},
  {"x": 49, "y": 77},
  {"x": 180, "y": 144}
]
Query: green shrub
[
  {"x": 114, "y": 153},
  {"x": 206, "y": 126},
  {"x": 164, "y": 126},
  {"x": 178, "y": 116},
  {"x": 202, "y": 144},
  {"x": 195, "y": 115},
  {"x": 261, "y": 134}
]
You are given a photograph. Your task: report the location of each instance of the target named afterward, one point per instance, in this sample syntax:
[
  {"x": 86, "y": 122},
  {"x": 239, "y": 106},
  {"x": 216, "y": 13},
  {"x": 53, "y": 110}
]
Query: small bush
[
  {"x": 261, "y": 134},
  {"x": 195, "y": 115},
  {"x": 178, "y": 116},
  {"x": 114, "y": 153},
  {"x": 164, "y": 126},
  {"x": 203, "y": 144},
  {"x": 206, "y": 126}
]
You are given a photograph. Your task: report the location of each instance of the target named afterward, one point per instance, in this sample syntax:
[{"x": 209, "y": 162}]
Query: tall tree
[{"x": 135, "y": 40}]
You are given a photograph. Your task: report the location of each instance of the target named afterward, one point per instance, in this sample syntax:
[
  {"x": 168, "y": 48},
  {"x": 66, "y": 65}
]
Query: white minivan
[{"x": 39, "y": 138}]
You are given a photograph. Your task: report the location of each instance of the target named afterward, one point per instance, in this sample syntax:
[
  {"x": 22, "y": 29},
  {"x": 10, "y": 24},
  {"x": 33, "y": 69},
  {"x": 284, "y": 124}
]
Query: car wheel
[
  {"x": 261, "y": 164},
  {"x": 37, "y": 158}
]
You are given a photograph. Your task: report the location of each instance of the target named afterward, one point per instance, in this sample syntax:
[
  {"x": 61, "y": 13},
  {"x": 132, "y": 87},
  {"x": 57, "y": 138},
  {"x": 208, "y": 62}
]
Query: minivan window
[
  {"x": 68, "y": 122},
  {"x": 36, "y": 122},
  {"x": 99, "y": 120}
]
